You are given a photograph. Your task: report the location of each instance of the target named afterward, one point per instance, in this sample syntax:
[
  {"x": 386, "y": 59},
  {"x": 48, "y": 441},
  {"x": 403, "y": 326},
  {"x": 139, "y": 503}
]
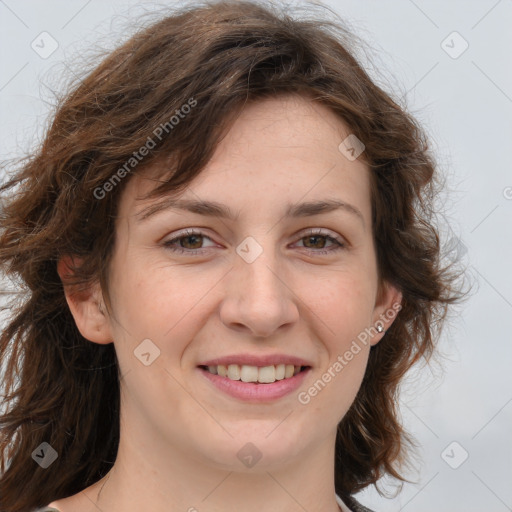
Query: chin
[{"x": 261, "y": 450}]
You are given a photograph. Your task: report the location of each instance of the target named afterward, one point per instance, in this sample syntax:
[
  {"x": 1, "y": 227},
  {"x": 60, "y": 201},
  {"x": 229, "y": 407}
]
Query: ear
[
  {"x": 86, "y": 304},
  {"x": 387, "y": 307}
]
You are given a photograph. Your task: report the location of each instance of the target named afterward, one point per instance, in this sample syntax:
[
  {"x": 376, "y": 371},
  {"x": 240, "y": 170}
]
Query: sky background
[{"x": 449, "y": 62}]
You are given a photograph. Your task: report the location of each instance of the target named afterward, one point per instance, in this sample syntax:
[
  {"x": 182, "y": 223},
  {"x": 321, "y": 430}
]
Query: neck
[{"x": 145, "y": 479}]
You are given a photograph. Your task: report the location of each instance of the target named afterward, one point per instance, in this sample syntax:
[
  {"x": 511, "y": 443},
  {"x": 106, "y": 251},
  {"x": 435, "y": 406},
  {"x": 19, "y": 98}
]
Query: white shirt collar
[{"x": 342, "y": 505}]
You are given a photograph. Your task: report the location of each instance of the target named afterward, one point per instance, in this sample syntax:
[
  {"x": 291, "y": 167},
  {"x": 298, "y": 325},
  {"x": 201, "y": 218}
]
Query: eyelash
[{"x": 169, "y": 244}]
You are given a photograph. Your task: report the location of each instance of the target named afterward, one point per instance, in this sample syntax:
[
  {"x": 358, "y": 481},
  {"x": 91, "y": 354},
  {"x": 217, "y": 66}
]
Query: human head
[{"x": 221, "y": 57}]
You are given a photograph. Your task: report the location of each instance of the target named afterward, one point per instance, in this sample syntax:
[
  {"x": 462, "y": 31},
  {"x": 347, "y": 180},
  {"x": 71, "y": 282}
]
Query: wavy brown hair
[{"x": 62, "y": 389}]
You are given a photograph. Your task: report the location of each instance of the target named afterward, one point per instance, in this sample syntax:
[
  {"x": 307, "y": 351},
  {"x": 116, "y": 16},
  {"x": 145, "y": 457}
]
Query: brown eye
[
  {"x": 191, "y": 241},
  {"x": 316, "y": 241}
]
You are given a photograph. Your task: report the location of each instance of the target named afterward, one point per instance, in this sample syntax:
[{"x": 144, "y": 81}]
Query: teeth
[
  {"x": 280, "y": 371},
  {"x": 234, "y": 372},
  {"x": 248, "y": 374},
  {"x": 262, "y": 374},
  {"x": 267, "y": 374}
]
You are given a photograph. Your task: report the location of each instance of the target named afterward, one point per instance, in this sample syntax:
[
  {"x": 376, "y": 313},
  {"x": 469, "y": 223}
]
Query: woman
[{"x": 229, "y": 266}]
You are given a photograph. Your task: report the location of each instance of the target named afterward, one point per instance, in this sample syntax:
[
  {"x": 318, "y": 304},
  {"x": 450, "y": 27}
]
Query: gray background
[{"x": 465, "y": 104}]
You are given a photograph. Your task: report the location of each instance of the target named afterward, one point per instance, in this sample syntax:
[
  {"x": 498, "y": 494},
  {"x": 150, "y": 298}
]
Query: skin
[{"x": 179, "y": 434}]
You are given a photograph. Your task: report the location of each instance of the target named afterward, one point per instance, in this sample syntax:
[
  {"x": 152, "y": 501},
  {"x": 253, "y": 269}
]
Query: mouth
[
  {"x": 254, "y": 384},
  {"x": 255, "y": 374}
]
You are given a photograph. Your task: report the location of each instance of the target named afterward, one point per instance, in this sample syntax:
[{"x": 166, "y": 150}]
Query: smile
[
  {"x": 255, "y": 384},
  {"x": 256, "y": 374}
]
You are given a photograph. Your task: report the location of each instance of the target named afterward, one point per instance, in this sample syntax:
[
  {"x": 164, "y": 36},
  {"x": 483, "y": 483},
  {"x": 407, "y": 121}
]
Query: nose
[{"x": 258, "y": 299}]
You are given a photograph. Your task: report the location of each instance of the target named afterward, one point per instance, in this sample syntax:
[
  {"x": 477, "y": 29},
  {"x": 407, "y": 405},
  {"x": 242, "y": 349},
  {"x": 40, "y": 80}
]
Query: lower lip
[{"x": 255, "y": 392}]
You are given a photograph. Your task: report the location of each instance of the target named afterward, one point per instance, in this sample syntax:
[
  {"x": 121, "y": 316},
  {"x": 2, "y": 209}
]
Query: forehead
[{"x": 278, "y": 150}]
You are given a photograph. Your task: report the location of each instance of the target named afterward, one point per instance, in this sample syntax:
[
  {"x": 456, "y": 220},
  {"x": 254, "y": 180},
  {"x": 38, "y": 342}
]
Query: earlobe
[
  {"x": 386, "y": 310},
  {"x": 85, "y": 304}
]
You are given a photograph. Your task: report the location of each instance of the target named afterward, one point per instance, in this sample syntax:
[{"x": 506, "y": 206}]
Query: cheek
[
  {"x": 343, "y": 313},
  {"x": 352, "y": 300},
  {"x": 342, "y": 301},
  {"x": 159, "y": 301}
]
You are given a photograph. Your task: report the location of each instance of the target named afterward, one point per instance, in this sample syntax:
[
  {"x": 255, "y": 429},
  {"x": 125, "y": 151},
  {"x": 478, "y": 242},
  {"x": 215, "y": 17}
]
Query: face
[{"x": 276, "y": 282}]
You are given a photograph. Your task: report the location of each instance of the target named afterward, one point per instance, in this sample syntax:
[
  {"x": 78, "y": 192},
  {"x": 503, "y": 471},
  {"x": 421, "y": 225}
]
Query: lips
[
  {"x": 254, "y": 391},
  {"x": 256, "y": 378}
]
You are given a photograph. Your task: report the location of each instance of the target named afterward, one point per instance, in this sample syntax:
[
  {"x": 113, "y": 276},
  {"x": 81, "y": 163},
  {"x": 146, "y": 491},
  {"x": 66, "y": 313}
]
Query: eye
[
  {"x": 316, "y": 239},
  {"x": 189, "y": 242}
]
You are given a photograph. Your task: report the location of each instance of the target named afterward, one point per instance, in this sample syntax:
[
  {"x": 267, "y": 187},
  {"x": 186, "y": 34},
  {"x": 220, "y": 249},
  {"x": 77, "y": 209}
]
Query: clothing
[
  {"x": 342, "y": 505},
  {"x": 348, "y": 504}
]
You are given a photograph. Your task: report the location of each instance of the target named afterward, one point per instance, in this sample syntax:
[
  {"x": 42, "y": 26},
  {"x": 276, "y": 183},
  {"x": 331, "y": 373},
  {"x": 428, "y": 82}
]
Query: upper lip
[{"x": 256, "y": 360}]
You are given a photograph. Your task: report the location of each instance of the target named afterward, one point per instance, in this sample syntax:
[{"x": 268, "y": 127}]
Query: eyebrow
[{"x": 218, "y": 210}]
